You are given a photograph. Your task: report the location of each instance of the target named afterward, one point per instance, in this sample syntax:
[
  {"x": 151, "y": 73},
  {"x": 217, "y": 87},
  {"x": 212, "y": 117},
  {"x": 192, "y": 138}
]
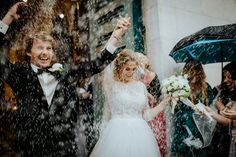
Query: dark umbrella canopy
[
  {"x": 209, "y": 45},
  {"x": 211, "y": 32},
  {"x": 207, "y": 51}
]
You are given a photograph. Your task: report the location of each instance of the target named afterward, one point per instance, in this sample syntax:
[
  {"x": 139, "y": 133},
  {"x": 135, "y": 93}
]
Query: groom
[{"x": 45, "y": 110}]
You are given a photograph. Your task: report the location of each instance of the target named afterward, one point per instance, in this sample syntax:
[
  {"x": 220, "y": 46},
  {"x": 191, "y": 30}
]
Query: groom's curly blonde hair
[
  {"x": 122, "y": 58},
  {"x": 42, "y": 35}
]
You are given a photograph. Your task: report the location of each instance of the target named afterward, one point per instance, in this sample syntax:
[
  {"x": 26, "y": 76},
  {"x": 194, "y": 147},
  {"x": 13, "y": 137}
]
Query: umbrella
[
  {"x": 207, "y": 51},
  {"x": 210, "y": 45}
]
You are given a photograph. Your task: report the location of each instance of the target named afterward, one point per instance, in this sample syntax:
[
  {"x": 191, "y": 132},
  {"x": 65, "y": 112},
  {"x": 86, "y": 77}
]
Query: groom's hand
[
  {"x": 123, "y": 23},
  {"x": 12, "y": 13}
]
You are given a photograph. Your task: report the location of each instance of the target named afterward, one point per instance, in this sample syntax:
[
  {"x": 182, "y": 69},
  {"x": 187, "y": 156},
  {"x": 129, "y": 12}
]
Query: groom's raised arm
[{"x": 87, "y": 69}]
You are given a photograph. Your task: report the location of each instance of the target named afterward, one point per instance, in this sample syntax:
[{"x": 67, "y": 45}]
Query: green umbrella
[{"x": 207, "y": 51}]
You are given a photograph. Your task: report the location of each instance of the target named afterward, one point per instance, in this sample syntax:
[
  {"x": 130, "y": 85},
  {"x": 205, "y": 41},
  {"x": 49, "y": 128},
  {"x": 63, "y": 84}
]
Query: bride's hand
[
  {"x": 151, "y": 100},
  {"x": 167, "y": 100}
]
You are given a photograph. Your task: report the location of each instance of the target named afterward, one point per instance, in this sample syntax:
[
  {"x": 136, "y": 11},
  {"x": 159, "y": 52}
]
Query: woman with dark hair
[
  {"x": 185, "y": 126},
  {"x": 225, "y": 104}
]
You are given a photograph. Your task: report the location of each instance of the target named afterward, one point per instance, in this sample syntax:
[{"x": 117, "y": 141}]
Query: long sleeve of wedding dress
[{"x": 147, "y": 115}]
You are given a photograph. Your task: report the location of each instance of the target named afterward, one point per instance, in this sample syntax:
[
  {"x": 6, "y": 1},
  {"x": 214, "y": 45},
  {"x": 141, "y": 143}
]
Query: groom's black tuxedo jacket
[
  {"x": 1, "y": 38},
  {"x": 43, "y": 130}
]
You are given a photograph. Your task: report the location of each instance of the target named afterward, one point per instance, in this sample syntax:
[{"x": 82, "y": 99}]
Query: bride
[{"x": 127, "y": 133}]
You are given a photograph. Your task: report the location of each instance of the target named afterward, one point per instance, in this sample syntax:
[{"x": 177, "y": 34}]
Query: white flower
[
  {"x": 165, "y": 83},
  {"x": 170, "y": 88},
  {"x": 56, "y": 67},
  {"x": 183, "y": 93},
  {"x": 175, "y": 94},
  {"x": 172, "y": 78},
  {"x": 186, "y": 76},
  {"x": 181, "y": 85},
  {"x": 164, "y": 90},
  {"x": 175, "y": 86}
]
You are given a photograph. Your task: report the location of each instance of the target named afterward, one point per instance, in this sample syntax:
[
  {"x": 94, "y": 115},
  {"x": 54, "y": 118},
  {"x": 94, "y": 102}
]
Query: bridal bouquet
[{"x": 175, "y": 86}]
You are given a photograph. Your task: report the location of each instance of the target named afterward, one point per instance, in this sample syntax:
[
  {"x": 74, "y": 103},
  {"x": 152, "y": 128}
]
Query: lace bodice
[{"x": 127, "y": 100}]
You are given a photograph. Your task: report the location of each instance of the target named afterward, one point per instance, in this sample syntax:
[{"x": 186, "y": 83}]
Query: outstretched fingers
[{"x": 123, "y": 23}]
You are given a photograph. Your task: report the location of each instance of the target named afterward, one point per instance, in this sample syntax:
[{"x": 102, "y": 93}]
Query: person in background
[
  {"x": 183, "y": 116},
  {"x": 229, "y": 140},
  {"x": 151, "y": 81},
  {"x": 84, "y": 90},
  {"x": 225, "y": 105}
]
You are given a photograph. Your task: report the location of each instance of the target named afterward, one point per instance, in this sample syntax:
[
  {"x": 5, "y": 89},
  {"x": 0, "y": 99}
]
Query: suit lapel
[{"x": 37, "y": 86}]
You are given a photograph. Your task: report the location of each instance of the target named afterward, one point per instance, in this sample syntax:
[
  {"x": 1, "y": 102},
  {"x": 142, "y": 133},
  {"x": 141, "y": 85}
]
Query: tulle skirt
[{"x": 126, "y": 137}]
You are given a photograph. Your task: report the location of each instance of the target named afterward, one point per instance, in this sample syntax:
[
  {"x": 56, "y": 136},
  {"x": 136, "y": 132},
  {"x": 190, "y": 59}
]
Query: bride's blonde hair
[{"x": 123, "y": 57}]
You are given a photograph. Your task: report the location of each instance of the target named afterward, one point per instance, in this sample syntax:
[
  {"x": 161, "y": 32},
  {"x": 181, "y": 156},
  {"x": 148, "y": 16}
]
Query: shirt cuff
[
  {"x": 3, "y": 27},
  {"x": 111, "y": 48}
]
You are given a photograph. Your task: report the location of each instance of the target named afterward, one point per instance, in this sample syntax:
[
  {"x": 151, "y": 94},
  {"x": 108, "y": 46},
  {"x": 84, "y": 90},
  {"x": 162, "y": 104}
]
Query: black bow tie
[
  {"x": 46, "y": 70},
  {"x": 56, "y": 74}
]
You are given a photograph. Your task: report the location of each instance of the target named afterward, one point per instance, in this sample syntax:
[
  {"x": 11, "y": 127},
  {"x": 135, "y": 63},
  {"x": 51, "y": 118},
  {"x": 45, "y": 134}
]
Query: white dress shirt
[
  {"x": 48, "y": 83},
  {"x": 3, "y": 27}
]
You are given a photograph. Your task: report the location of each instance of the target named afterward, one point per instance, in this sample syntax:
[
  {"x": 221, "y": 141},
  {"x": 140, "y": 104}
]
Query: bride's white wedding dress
[{"x": 127, "y": 134}]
